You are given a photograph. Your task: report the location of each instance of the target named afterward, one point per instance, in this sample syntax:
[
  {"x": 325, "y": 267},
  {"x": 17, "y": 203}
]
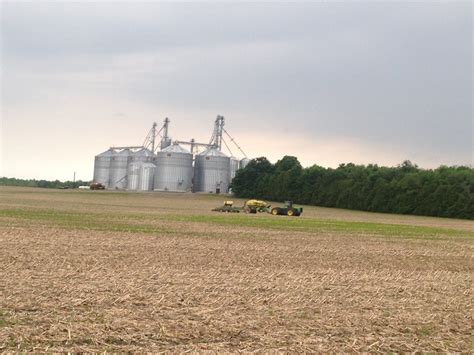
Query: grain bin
[
  {"x": 102, "y": 164},
  {"x": 211, "y": 171},
  {"x": 174, "y": 170},
  {"x": 118, "y": 169},
  {"x": 143, "y": 155},
  {"x": 133, "y": 175},
  {"x": 244, "y": 162},
  {"x": 146, "y": 174},
  {"x": 234, "y": 166}
]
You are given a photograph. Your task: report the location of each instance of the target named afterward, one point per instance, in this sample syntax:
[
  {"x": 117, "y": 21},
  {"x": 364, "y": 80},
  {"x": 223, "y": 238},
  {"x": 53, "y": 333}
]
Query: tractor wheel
[
  {"x": 274, "y": 211},
  {"x": 290, "y": 212}
]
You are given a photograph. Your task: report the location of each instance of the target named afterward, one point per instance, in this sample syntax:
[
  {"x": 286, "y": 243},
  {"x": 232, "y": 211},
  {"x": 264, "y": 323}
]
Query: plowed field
[{"x": 109, "y": 271}]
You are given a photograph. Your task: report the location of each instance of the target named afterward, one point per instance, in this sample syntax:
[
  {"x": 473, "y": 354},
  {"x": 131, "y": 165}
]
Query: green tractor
[{"x": 287, "y": 210}]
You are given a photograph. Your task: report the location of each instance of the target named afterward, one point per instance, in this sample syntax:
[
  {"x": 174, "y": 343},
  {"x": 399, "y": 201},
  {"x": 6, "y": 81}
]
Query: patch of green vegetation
[
  {"x": 319, "y": 225},
  {"x": 139, "y": 223},
  {"x": 424, "y": 330},
  {"x": 108, "y": 193},
  {"x": 3, "y": 321},
  {"x": 83, "y": 221}
]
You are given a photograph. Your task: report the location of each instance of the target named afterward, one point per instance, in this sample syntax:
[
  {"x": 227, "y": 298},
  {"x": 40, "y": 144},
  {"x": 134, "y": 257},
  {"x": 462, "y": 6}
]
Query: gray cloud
[{"x": 395, "y": 77}]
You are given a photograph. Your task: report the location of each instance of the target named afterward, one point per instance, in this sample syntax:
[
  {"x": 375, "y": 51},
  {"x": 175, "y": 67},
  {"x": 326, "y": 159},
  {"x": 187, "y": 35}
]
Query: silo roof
[
  {"x": 214, "y": 152},
  {"x": 144, "y": 152},
  {"x": 175, "y": 148},
  {"x": 107, "y": 153},
  {"x": 124, "y": 152}
]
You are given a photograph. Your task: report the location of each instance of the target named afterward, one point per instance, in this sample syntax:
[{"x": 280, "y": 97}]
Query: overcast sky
[{"x": 328, "y": 82}]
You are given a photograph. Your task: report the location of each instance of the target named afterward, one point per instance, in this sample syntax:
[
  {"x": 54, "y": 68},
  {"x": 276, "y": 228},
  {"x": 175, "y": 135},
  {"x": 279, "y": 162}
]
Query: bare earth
[{"x": 101, "y": 271}]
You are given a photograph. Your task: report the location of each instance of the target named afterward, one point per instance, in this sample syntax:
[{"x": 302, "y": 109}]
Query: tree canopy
[
  {"x": 56, "y": 184},
  {"x": 405, "y": 189}
]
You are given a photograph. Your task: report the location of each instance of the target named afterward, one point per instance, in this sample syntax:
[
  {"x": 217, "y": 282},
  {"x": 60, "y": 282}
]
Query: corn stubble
[{"x": 206, "y": 286}]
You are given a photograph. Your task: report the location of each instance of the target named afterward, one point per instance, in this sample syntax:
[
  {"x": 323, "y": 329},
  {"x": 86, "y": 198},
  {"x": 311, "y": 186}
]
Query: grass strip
[
  {"x": 324, "y": 225},
  {"x": 83, "y": 221},
  {"x": 117, "y": 222}
]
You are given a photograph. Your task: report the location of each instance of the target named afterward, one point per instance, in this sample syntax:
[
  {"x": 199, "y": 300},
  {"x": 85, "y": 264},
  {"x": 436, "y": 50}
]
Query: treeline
[
  {"x": 405, "y": 189},
  {"x": 56, "y": 184}
]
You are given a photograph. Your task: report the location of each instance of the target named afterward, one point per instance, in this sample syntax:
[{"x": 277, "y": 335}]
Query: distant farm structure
[{"x": 161, "y": 164}]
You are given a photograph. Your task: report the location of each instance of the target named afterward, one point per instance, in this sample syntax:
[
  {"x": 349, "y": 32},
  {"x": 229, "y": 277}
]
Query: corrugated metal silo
[
  {"x": 174, "y": 170},
  {"x": 234, "y": 166},
  {"x": 143, "y": 155},
  {"x": 244, "y": 162},
  {"x": 146, "y": 175},
  {"x": 118, "y": 169},
  {"x": 211, "y": 171},
  {"x": 133, "y": 175},
  {"x": 102, "y": 164}
]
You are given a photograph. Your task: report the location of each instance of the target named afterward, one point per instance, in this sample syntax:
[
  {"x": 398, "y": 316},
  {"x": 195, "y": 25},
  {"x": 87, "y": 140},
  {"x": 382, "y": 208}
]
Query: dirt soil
[{"x": 100, "y": 271}]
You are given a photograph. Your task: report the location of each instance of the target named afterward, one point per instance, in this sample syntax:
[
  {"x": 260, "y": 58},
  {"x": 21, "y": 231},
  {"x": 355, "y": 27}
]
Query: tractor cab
[{"x": 288, "y": 209}]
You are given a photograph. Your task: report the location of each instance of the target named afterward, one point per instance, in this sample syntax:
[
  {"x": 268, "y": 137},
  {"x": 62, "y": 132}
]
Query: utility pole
[{"x": 74, "y": 180}]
